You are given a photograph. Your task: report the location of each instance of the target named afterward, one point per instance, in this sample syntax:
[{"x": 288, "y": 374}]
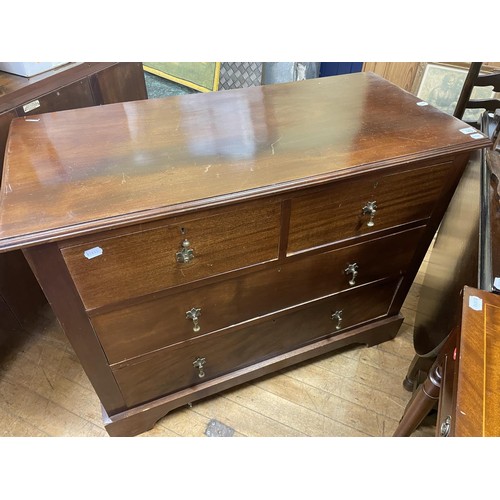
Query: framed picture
[
  {"x": 441, "y": 85},
  {"x": 201, "y": 76}
]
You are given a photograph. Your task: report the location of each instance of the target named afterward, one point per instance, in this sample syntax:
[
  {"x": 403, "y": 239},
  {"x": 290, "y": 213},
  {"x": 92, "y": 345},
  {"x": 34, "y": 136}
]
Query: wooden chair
[{"x": 475, "y": 79}]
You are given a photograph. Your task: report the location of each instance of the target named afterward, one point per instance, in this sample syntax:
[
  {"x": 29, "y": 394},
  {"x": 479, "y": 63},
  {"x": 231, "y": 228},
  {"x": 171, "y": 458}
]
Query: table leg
[
  {"x": 419, "y": 365},
  {"x": 421, "y": 403}
]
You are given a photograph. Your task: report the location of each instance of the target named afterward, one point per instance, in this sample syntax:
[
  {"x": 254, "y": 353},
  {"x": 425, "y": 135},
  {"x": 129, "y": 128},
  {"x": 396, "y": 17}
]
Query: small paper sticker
[
  {"x": 91, "y": 253},
  {"x": 496, "y": 283},
  {"x": 31, "y": 106},
  {"x": 468, "y": 130},
  {"x": 475, "y": 303},
  {"x": 422, "y": 103},
  {"x": 477, "y": 136}
]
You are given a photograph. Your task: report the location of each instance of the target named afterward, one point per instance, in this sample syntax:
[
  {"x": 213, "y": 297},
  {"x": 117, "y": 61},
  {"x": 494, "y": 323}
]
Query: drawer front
[
  {"x": 147, "y": 261},
  {"x": 336, "y": 213},
  {"x": 172, "y": 369},
  {"x": 136, "y": 330}
]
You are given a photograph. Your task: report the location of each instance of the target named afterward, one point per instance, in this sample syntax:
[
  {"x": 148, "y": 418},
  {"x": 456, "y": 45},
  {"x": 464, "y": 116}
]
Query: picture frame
[
  {"x": 441, "y": 84},
  {"x": 200, "y": 76}
]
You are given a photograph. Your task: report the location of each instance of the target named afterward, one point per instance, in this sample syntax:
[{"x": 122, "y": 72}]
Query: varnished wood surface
[
  {"x": 145, "y": 261},
  {"x": 336, "y": 213},
  {"x": 168, "y": 370},
  {"x": 126, "y": 332},
  {"x": 353, "y": 392},
  {"x": 478, "y": 383},
  {"x": 82, "y": 170}
]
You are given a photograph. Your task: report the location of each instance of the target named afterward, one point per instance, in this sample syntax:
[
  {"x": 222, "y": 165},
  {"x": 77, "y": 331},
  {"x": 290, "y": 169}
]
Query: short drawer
[
  {"x": 344, "y": 210},
  {"x": 198, "y": 360},
  {"x": 113, "y": 269},
  {"x": 138, "y": 329}
]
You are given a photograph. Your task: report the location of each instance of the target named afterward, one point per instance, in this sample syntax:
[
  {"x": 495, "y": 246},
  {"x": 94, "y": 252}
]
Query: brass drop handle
[
  {"x": 370, "y": 209},
  {"x": 198, "y": 363},
  {"x": 194, "y": 315},
  {"x": 337, "y": 315},
  {"x": 353, "y": 270},
  {"x": 185, "y": 254}
]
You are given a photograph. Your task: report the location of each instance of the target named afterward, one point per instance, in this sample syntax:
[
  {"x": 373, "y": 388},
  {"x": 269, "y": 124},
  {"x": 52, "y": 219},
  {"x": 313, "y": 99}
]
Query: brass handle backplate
[
  {"x": 194, "y": 315},
  {"x": 370, "y": 209},
  {"x": 353, "y": 270},
  {"x": 337, "y": 315},
  {"x": 199, "y": 363},
  {"x": 185, "y": 254}
]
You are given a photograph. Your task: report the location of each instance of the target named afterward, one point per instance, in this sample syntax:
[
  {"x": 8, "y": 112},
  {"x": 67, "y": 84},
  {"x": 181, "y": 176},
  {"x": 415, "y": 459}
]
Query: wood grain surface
[
  {"x": 76, "y": 171},
  {"x": 478, "y": 381}
]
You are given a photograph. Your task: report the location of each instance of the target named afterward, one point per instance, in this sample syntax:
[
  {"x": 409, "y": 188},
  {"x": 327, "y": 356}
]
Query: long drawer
[
  {"x": 351, "y": 208},
  {"x": 142, "y": 262},
  {"x": 138, "y": 329},
  {"x": 202, "y": 359}
]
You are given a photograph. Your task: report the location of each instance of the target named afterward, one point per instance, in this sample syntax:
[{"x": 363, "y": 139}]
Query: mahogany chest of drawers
[{"x": 193, "y": 243}]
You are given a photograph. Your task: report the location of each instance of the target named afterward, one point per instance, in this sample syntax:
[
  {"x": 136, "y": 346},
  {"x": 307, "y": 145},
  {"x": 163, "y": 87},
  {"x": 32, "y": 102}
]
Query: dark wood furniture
[
  {"x": 465, "y": 252},
  {"x": 465, "y": 378},
  {"x": 74, "y": 85},
  {"x": 193, "y": 243}
]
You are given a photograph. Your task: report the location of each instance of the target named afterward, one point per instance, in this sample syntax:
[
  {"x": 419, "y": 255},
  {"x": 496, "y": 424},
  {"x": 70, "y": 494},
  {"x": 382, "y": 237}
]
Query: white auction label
[
  {"x": 93, "y": 252},
  {"x": 468, "y": 130},
  {"x": 475, "y": 303},
  {"x": 31, "y": 106}
]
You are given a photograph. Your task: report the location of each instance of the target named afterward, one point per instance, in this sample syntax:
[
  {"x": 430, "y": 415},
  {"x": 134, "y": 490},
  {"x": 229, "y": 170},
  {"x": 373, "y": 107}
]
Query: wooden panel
[
  {"x": 17, "y": 90},
  {"x": 172, "y": 369},
  {"x": 19, "y": 288},
  {"x": 406, "y": 75},
  {"x": 5, "y": 119},
  {"x": 336, "y": 213},
  {"x": 138, "y": 329},
  {"x": 49, "y": 268},
  {"x": 145, "y": 261},
  {"x": 75, "y": 95},
  {"x": 119, "y": 83},
  {"x": 478, "y": 382}
]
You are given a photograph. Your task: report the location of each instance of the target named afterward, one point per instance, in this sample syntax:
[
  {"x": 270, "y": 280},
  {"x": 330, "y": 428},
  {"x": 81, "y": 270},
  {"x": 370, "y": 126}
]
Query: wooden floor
[{"x": 354, "y": 392}]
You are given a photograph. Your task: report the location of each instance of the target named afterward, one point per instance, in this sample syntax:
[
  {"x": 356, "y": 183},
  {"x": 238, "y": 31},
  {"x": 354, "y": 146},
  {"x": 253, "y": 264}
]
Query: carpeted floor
[{"x": 161, "y": 87}]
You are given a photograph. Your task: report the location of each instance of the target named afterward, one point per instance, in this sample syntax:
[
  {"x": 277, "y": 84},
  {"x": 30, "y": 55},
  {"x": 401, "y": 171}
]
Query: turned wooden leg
[
  {"x": 417, "y": 371},
  {"x": 421, "y": 403}
]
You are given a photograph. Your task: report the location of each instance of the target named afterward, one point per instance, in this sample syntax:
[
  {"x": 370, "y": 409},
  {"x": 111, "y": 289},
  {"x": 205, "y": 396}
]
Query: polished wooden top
[
  {"x": 78, "y": 171},
  {"x": 478, "y": 383}
]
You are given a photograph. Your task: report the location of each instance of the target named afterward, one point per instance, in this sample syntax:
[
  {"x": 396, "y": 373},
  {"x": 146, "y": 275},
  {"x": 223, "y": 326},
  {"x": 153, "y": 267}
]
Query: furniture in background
[
  {"x": 465, "y": 378},
  {"x": 189, "y": 248},
  {"x": 475, "y": 79},
  {"x": 465, "y": 253},
  {"x": 74, "y": 85}
]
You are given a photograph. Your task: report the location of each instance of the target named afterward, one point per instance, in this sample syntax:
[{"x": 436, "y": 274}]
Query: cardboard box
[{"x": 28, "y": 68}]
